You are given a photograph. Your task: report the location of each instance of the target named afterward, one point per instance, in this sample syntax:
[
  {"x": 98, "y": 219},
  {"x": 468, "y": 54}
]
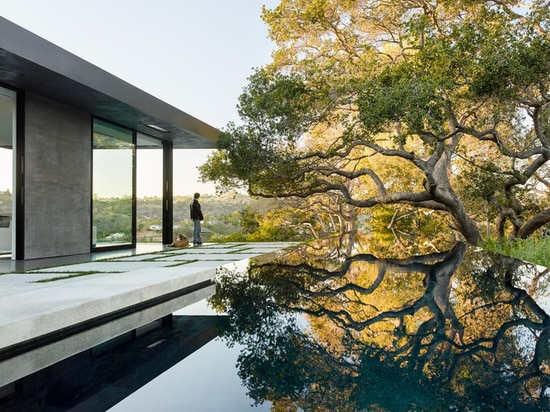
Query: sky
[{"x": 194, "y": 55}]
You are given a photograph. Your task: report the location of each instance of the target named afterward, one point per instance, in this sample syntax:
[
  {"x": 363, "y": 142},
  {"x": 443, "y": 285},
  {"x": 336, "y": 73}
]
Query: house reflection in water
[{"x": 93, "y": 376}]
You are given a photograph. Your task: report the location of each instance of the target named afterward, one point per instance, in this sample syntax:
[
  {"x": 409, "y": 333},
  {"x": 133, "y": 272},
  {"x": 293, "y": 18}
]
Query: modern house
[{"x": 68, "y": 128}]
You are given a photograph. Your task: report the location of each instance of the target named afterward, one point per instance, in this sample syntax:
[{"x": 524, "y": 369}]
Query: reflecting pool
[
  {"x": 327, "y": 330},
  {"x": 206, "y": 380},
  {"x": 333, "y": 326}
]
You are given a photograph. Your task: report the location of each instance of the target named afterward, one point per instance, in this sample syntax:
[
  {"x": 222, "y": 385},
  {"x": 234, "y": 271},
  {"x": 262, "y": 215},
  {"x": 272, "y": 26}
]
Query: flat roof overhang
[{"x": 31, "y": 63}]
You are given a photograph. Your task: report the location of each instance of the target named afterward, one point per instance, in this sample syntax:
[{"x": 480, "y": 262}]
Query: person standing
[{"x": 196, "y": 217}]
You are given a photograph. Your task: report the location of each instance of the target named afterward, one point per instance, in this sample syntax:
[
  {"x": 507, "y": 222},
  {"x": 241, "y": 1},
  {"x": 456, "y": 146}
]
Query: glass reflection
[
  {"x": 7, "y": 139},
  {"x": 113, "y": 185},
  {"x": 325, "y": 330}
]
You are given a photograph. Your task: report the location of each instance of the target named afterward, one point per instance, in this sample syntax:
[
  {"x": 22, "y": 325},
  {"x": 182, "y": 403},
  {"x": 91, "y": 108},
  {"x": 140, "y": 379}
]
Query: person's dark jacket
[{"x": 195, "y": 209}]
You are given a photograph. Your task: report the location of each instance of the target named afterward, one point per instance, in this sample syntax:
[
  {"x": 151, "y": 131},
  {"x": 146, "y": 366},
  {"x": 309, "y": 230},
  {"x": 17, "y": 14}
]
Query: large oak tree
[{"x": 429, "y": 104}]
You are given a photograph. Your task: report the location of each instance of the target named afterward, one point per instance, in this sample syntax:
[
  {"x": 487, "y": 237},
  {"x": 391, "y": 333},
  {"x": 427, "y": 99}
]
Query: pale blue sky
[{"x": 194, "y": 55}]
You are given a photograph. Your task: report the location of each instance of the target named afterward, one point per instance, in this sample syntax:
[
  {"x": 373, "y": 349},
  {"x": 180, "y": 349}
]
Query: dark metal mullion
[
  {"x": 20, "y": 176},
  {"x": 134, "y": 188},
  {"x": 167, "y": 193}
]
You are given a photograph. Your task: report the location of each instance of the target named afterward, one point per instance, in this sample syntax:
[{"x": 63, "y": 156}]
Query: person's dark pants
[{"x": 197, "y": 240}]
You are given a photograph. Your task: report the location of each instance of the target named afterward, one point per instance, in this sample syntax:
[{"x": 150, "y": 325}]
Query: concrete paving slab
[
  {"x": 103, "y": 266},
  {"x": 277, "y": 245},
  {"x": 260, "y": 251},
  {"x": 29, "y": 362},
  {"x": 208, "y": 257},
  {"x": 211, "y": 251},
  {"x": 137, "y": 258},
  {"x": 28, "y": 277},
  {"x": 205, "y": 264},
  {"x": 31, "y": 310},
  {"x": 224, "y": 245},
  {"x": 241, "y": 256},
  {"x": 56, "y": 305}
]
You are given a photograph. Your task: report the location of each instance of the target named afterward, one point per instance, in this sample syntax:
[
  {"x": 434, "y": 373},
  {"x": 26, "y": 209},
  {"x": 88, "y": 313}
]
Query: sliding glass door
[
  {"x": 149, "y": 185},
  {"x": 113, "y": 187}
]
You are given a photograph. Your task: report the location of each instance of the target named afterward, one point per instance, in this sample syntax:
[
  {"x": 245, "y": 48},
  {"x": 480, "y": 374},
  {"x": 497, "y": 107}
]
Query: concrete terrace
[{"x": 80, "y": 301}]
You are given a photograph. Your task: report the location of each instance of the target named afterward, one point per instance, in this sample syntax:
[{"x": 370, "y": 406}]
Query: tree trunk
[
  {"x": 535, "y": 223},
  {"x": 443, "y": 192},
  {"x": 465, "y": 224}
]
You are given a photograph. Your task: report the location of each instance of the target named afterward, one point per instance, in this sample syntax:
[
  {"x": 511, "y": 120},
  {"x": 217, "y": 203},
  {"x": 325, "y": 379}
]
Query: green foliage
[
  {"x": 232, "y": 237},
  {"x": 278, "y": 109},
  {"x": 534, "y": 250},
  {"x": 277, "y": 104},
  {"x": 247, "y": 155},
  {"x": 399, "y": 96},
  {"x": 5, "y": 203},
  {"x": 249, "y": 221},
  {"x": 481, "y": 182},
  {"x": 444, "y": 89},
  {"x": 228, "y": 218},
  {"x": 218, "y": 169},
  {"x": 269, "y": 227},
  {"x": 500, "y": 70},
  {"x": 113, "y": 216}
]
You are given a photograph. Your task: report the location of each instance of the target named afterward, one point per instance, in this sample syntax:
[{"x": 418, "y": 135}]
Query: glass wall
[
  {"x": 149, "y": 189},
  {"x": 113, "y": 205},
  {"x": 7, "y": 145}
]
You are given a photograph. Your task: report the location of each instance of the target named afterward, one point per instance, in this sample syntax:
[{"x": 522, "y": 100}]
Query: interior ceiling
[{"x": 32, "y": 64}]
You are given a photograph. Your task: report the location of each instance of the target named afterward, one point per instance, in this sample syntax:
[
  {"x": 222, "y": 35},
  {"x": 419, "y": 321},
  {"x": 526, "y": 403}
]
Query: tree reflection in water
[{"x": 322, "y": 331}]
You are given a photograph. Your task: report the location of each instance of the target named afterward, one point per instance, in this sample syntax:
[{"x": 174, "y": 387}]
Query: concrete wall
[{"x": 57, "y": 179}]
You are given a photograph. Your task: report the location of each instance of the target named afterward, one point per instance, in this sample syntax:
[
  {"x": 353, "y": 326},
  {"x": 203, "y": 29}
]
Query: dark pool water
[
  {"x": 341, "y": 326},
  {"x": 206, "y": 380}
]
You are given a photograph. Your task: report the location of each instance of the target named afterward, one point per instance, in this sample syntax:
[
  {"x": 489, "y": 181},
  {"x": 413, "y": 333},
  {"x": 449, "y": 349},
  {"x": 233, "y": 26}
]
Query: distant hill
[{"x": 221, "y": 215}]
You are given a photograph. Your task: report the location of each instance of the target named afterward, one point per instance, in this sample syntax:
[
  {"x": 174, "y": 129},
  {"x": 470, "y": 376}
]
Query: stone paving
[
  {"x": 205, "y": 256},
  {"x": 42, "y": 301}
]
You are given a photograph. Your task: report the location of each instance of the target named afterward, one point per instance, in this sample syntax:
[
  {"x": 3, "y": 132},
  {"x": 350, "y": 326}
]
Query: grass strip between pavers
[{"x": 74, "y": 275}]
